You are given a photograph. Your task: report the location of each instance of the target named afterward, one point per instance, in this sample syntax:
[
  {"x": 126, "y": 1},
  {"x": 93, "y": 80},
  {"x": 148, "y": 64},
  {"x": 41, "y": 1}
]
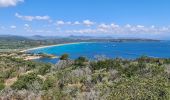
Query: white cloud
[
  {"x": 60, "y": 22},
  {"x": 82, "y": 31},
  {"x": 42, "y": 17},
  {"x": 79, "y": 27},
  {"x": 28, "y": 28},
  {"x": 104, "y": 26},
  {"x": 126, "y": 29},
  {"x": 127, "y": 26},
  {"x": 85, "y": 22},
  {"x": 88, "y": 22},
  {"x": 7, "y": 3},
  {"x": 140, "y": 26},
  {"x": 31, "y": 18},
  {"x": 26, "y": 25},
  {"x": 165, "y": 29},
  {"x": 13, "y": 27},
  {"x": 108, "y": 26},
  {"x": 152, "y": 26},
  {"x": 114, "y": 25},
  {"x": 76, "y": 23}
]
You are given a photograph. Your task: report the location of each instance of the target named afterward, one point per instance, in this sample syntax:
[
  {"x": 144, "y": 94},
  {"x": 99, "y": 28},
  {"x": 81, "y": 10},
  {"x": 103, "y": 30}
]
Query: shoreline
[{"x": 62, "y": 44}]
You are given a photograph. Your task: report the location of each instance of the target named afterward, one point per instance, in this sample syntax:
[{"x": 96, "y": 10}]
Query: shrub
[
  {"x": 64, "y": 57},
  {"x": 80, "y": 61},
  {"x": 131, "y": 70},
  {"x": 31, "y": 65},
  {"x": 153, "y": 88},
  {"x": 19, "y": 84},
  {"x": 108, "y": 64},
  {"x": 25, "y": 81},
  {"x": 7, "y": 74},
  {"x": 2, "y": 86},
  {"x": 48, "y": 83},
  {"x": 44, "y": 69}
]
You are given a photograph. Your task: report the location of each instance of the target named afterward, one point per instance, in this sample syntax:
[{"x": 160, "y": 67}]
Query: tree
[
  {"x": 80, "y": 61},
  {"x": 44, "y": 69},
  {"x": 64, "y": 57}
]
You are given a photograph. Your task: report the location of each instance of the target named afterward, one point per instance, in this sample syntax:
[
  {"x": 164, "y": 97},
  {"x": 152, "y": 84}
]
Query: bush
[
  {"x": 80, "y": 61},
  {"x": 64, "y": 57},
  {"x": 153, "y": 88},
  {"x": 31, "y": 65},
  {"x": 44, "y": 69},
  {"x": 7, "y": 74},
  {"x": 19, "y": 84},
  {"x": 131, "y": 70},
  {"x": 2, "y": 86},
  {"x": 108, "y": 64},
  {"x": 25, "y": 81},
  {"x": 48, "y": 83}
]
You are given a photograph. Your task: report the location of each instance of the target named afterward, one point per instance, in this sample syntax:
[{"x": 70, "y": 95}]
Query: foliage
[
  {"x": 64, "y": 57},
  {"x": 144, "y": 78},
  {"x": 24, "y": 81},
  {"x": 81, "y": 61},
  {"x": 108, "y": 64},
  {"x": 49, "y": 83},
  {"x": 44, "y": 69},
  {"x": 2, "y": 86},
  {"x": 138, "y": 88}
]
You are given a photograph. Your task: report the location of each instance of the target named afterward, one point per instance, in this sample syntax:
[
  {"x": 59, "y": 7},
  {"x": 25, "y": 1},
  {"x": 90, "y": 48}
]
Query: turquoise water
[{"x": 129, "y": 50}]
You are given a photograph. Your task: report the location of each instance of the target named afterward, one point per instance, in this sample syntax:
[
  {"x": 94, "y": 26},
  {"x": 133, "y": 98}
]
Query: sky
[{"x": 116, "y": 18}]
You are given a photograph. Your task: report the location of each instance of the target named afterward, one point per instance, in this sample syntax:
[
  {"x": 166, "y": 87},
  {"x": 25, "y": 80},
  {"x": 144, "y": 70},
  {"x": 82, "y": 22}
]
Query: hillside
[
  {"x": 112, "y": 79},
  {"x": 10, "y": 43}
]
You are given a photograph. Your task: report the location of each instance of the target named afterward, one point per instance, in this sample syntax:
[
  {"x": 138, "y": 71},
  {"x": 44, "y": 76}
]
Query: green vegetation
[
  {"x": 108, "y": 79},
  {"x": 81, "y": 61},
  {"x": 25, "y": 81},
  {"x": 49, "y": 83},
  {"x": 153, "y": 88},
  {"x": 44, "y": 69},
  {"x": 2, "y": 86},
  {"x": 64, "y": 57}
]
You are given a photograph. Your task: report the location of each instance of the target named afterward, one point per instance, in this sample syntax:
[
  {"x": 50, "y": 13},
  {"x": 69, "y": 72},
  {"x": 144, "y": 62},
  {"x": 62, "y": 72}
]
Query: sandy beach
[{"x": 53, "y": 46}]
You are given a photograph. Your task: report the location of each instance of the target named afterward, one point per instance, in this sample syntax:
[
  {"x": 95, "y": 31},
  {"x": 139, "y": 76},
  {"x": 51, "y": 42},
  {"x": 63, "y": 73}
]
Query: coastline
[{"x": 62, "y": 44}]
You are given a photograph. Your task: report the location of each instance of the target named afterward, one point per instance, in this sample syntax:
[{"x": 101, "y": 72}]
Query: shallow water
[{"x": 129, "y": 50}]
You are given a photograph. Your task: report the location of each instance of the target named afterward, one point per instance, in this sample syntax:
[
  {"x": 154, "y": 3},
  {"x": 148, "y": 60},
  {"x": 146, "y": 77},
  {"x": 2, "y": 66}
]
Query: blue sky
[{"x": 117, "y": 18}]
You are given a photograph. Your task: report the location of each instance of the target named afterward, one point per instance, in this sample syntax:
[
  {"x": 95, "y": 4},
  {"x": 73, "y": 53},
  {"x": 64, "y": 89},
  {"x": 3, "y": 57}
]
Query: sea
[{"x": 102, "y": 50}]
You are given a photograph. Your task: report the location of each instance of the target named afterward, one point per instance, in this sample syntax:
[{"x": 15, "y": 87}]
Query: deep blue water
[{"x": 129, "y": 50}]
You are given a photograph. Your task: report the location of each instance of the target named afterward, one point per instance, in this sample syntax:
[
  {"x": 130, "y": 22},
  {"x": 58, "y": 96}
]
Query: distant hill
[
  {"x": 12, "y": 38},
  {"x": 40, "y": 37},
  {"x": 12, "y": 42}
]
